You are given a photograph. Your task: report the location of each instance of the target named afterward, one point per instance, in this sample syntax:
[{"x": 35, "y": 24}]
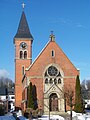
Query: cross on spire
[
  {"x": 52, "y": 36},
  {"x": 23, "y": 5}
]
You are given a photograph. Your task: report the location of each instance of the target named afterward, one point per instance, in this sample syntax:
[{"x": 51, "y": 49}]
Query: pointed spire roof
[{"x": 23, "y": 29}]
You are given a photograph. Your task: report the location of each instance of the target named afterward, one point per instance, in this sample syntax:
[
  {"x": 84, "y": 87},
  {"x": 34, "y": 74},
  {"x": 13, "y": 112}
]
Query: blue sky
[{"x": 69, "y": 19}]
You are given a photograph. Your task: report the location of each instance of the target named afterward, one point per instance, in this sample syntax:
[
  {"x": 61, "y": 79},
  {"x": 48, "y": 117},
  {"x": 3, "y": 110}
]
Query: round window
[{"x": 52, "y": 71}]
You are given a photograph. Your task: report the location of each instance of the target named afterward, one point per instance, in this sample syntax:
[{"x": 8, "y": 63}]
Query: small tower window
[
  {"x": 53, "y": 53},
  {"x": 25, "y": 55},
  {"x": 21, "y": 54},
  {"x": 23, "y": 71}
]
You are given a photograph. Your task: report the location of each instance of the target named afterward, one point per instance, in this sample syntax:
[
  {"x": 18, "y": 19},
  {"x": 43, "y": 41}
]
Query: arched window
[
  {"x": 53, "y": 75},
  {"x": 53, "y": 53},
  {"x": 51, "y": 81},
  {"x": 25, "y": 55},
  {"x": 46, "y": 74},
  {"x": 59, "y": 81},
  {"x": 21, "y": 54},
  {"x": 55, "y": 81},
  {"x": 46, "y": 81},
  {"x": 59, "y": 74},
  {"x": 23, "y": 71}
]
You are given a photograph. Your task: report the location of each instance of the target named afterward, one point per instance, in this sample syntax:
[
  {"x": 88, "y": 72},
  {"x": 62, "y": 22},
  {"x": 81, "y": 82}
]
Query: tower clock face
[
  {"x": 52, "y": 71},
  {"x": 23, "y": 45}
]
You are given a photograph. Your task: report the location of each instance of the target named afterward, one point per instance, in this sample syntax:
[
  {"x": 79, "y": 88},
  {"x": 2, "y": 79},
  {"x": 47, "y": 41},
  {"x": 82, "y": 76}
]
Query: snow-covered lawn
[
  {"x": 53, "y": 117},
  {"x": 76, "y": 116},
  {"x": 80, "y": 116}
]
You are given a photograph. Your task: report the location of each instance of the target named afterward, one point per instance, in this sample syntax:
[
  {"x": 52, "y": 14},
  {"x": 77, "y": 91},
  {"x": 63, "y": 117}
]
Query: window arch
[
  {"x": 23, "y": 70},
  {"x": 21, "y": 54},
  {"x": 46, "y": 81},
  {"x": 59, "y": 81},
  {"x": 52, "y": 53},
  {"x": 25, "y": 55},
  {"x": 55, "y": 81},
  {"x": 50, "y": 81},
  {"x": 52, "y": 75}
]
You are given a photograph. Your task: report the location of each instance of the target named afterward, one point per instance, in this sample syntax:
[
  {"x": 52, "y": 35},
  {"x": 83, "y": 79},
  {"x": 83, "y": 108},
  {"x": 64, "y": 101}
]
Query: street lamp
[{"x": 49, "y": 108}]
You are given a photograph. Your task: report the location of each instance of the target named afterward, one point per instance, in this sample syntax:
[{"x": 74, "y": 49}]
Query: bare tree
[
  {"x": 88, "y": 84},
  {"x": 85, "y": 89},
  {"x": 69, "y": 97},
  {"x": 6, "y": 82}
]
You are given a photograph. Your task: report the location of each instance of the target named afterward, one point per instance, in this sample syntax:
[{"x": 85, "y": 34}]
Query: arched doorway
[{"x": 53, "y": 102}]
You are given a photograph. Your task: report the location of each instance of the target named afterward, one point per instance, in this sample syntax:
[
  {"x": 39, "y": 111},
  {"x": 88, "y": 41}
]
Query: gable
[
  {"x": 53, "y": 89},
  {"x": 46, "y": 58}
]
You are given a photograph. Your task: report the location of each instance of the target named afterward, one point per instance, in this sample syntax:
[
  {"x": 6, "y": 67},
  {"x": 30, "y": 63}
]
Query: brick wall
[
  {"x": 19, "y": 63},
  {"x": 45, "y": 59}
]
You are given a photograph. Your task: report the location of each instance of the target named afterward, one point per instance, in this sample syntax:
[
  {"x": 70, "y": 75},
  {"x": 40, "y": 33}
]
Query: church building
[{"x": 50, "y": 72}]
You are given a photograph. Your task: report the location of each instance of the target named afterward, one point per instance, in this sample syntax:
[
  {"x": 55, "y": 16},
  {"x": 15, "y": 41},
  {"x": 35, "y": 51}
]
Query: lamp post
[
  {"x": 47, "y": 105},
  {"x": 49, "y": 108},
  {"x": 65, "y": 102}
]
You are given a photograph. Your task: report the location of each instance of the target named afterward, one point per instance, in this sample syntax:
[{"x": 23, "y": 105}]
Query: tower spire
[{"x": 23, "y": 28}]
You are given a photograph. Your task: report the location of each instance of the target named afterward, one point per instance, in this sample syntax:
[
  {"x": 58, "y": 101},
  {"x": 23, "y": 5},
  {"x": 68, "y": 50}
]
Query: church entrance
[{"x": 53, "y": 102}]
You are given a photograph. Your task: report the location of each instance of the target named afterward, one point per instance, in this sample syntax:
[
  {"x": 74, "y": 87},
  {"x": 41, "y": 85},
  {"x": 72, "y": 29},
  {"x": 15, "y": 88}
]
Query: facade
[{"x": 51, "y": 72}]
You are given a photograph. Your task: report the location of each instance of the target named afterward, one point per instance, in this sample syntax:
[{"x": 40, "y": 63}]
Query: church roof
[
  {"x": 23, "y": 29},
  {"x": 54, "y": 45}
]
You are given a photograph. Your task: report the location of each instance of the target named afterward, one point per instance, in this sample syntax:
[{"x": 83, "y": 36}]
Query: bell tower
[{"x": 23, "y": 56}]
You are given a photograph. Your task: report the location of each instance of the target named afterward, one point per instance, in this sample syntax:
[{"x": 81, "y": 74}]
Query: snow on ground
[
  {"x": 76, "y": 116},
  {"x": 80, "y": 116},
  {"x": 44, "y": 117},
  {"x": 83, "y": 117},
  {"x": 73, "y": 113},
  {"x": 53, "y": 117}
]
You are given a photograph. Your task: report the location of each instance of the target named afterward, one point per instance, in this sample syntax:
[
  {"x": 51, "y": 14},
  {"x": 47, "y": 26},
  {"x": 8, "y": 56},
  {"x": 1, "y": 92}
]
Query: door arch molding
[{"x": 53, "y": 102}]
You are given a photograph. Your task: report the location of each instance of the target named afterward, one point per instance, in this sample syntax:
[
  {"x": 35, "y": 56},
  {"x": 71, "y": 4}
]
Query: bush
[
  {"x": 88, "y": 107},
  {"x": 2, "y": 111},
  {"x": 40, "y": 112},
  {"x": 28, "y": 110},
  {"x": 35, "y": 113},
  {"x": 26, "y": 115},
  {"x": 15, "y": 115},
  {"x": 78, "y": 97}
]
